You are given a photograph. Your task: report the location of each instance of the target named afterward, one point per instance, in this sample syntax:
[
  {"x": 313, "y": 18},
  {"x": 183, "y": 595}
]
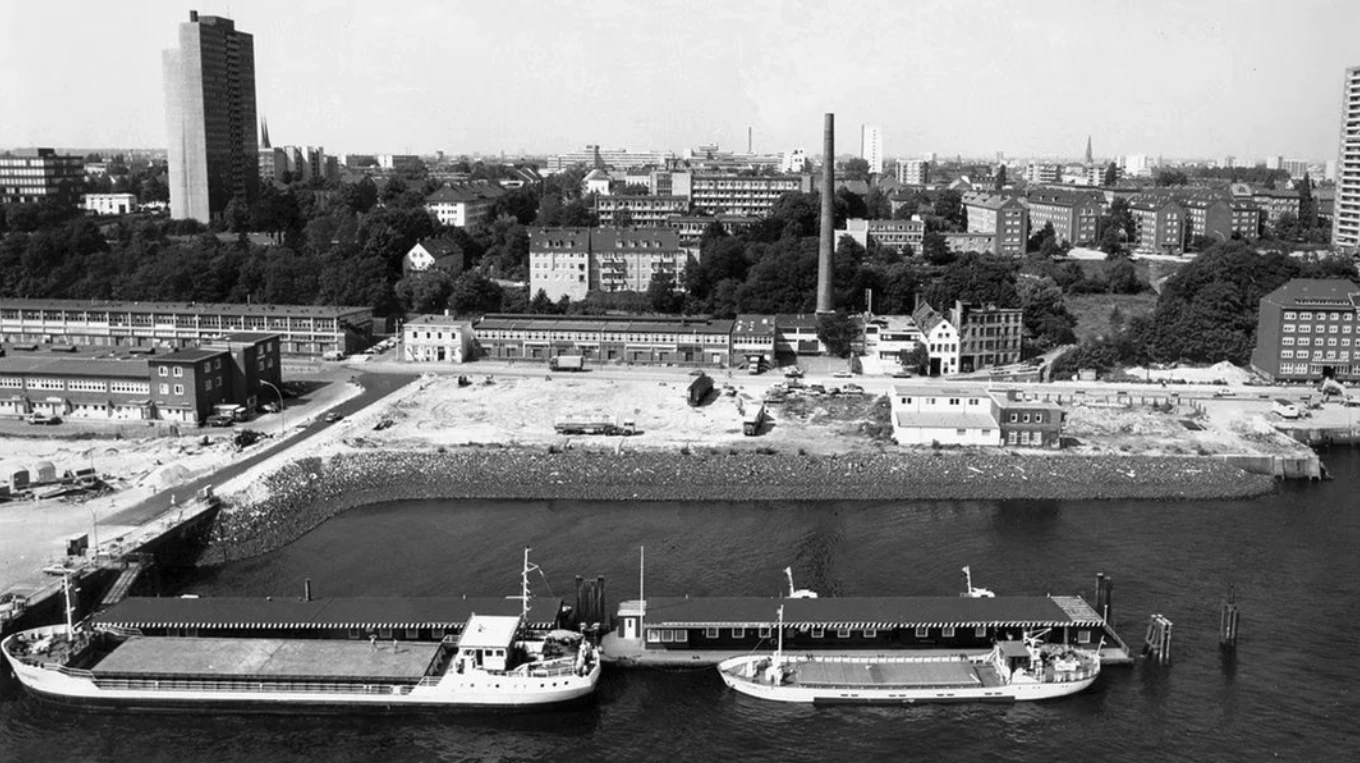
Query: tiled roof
[
  {"x": 45, "y": 364},
  {"x": 197, "y": 308},
  {"x": 1316, "y": 290}
]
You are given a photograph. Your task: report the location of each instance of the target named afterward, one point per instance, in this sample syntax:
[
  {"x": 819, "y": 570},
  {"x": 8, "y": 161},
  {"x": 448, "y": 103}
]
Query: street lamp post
[
  {"x": 282, "y": 422},
  {"x": 94, "y": 531}
]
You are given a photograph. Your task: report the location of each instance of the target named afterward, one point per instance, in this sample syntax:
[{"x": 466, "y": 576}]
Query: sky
[{"x": 1178, "y": 78}]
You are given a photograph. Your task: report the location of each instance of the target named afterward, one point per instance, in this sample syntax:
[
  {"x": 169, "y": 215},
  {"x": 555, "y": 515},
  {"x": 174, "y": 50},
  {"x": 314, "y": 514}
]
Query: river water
[{"x": 1292, "y": 691}]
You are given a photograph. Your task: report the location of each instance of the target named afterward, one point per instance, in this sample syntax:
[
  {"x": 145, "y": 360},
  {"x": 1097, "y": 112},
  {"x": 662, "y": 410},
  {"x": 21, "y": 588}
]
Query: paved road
[{"x": 375, "y": 386}]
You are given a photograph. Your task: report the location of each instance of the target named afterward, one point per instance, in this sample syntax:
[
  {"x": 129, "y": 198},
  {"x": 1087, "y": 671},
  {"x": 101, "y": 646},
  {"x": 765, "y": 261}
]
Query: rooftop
[
  {"x": 191, "y": 355},
  {"x": 435, "y": 319},
  {"x": 489, "y": 632},
  {"x": 243, "y": 612},
  {"x": 134, "y": 368},
  {"x": 198, "y": 308},
  {"x": 1315, "y": 291},
  {"x": 946, "y": 419},
  {"x": 600, "y": 323},
  {"x": 858, "y": 611}
]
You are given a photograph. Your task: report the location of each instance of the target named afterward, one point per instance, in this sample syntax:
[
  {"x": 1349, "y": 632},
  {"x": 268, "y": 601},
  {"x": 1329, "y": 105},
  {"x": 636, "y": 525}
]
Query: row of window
[
  {"x": 1307, "y": 315},
  {"x": 1304, "y": 341},
  {"x": 1017, "y": 417},
  {"x": 681, "y": 635},
  {"x": 1304, "y": 328},
  {"x": 1317, "y": 354}
]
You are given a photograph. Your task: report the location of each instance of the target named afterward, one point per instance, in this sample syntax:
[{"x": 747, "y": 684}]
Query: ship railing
[
  {"x": 238, "y": 686},
  {"x": 877, "y": 659},
  {"x": 73, "y": 672}
]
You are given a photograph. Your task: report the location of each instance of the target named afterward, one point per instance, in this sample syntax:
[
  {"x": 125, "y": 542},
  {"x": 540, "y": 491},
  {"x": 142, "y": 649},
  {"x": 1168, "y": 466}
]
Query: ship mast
[{"x": 524, "y": 588}]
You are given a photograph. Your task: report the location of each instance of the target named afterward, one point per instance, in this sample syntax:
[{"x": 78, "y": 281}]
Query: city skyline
[{"x": 672, "y": 76}]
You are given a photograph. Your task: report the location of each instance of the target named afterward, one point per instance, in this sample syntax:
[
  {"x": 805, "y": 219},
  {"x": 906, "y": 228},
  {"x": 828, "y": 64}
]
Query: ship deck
[
  {"x": 268, "y": 659},
  {"x": 887, "y": 674}
]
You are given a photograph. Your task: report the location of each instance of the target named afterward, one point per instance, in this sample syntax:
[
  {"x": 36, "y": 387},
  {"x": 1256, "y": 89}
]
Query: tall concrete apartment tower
[
  {"x": 871, "y": 147},
  {"x": 1346, "y": 219},
  {"x": 212, "y": 148}
]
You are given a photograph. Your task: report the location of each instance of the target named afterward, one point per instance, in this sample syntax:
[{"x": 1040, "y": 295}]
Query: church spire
[
  {"x": 1089, "y": 158},
  {"x": 264, "y": 134}
]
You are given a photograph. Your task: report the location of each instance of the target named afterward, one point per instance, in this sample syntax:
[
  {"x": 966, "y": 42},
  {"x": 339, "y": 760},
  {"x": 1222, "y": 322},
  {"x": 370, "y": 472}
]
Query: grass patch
[{"x": 1093, "y": 310}]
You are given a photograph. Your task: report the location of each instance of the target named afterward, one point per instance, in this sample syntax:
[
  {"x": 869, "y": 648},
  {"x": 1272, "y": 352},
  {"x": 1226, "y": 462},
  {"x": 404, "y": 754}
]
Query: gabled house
[{"x": 431, "y": 253}]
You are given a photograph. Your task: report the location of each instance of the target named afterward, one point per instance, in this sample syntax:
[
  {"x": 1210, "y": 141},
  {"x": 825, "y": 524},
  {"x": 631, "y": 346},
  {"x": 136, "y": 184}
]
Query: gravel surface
[{"x": 300, "y": 496}]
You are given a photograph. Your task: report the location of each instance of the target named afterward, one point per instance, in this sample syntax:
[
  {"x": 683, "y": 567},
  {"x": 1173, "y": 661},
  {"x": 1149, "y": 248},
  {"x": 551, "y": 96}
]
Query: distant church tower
[
  {"x": 1089, "y": 158},
  {"x": 264, "y": 135}
]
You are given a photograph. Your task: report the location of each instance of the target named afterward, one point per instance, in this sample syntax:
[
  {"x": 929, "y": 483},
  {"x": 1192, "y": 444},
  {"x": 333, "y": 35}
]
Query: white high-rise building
[
  {"x": 871, "y": 147},
  {"x": 212, "y": 150},
  {"x": 1346, "y": 218},
  {"x": 913, "y": 171},
  {"x": 794, "y": 161}
]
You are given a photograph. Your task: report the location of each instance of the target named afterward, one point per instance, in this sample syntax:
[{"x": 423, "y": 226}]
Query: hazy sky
[{"x": 1183, "y": 78}]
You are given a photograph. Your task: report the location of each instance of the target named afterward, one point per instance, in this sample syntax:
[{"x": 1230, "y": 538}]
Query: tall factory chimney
[
  {"x": 827, "y": 239},
  {"x": 749, "y": 135}
]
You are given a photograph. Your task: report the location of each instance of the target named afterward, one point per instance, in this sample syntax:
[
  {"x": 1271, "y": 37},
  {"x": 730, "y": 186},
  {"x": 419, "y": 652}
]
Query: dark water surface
[{"x": 1291, "y": 693}]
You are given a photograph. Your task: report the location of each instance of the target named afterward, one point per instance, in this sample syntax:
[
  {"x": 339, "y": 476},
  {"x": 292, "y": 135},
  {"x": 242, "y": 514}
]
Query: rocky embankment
[{"x": 300, "y": 496}]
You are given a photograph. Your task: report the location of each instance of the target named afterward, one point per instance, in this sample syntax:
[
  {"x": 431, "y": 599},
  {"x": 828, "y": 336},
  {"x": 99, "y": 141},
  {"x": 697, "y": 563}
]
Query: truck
[
  {"x": 607, "y": 427},
  {"x": 1285, "y": 409},
  {"x": 699, "y": 389},
  {"x": 231, "y": 411},
  {"x": 567, "y": 363},
  {"x": 752, "y": 419}
]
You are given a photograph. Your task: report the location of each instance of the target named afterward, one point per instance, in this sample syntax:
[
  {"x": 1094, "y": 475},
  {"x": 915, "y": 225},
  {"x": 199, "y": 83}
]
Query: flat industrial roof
[
  {"x": 216, "y": 308},
  {"x": 133, "y": 368},
  {"x": 866, "y": 611},
  {"x": 489, "y": 632},
  {"x": 268, "y": 657},
  {"x": 946, "y": 420}
]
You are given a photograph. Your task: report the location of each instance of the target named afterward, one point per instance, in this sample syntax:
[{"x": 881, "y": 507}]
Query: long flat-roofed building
[
  {"x": 303, "y": 329},
  {"x": 741, "y": 195},
  {"x": 1309, "y": 329},
  {"x": 32, "y": 176},
  {"x": 621, "y": 339},
  {"x": 643, "y": 211},
  {"x": 959, "y": 414}
]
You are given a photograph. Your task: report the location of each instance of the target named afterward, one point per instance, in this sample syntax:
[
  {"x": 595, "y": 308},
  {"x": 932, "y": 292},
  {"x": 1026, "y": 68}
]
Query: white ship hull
[
  {"x": 750, "y": 675},
  {"x": 475, "y": 689}
]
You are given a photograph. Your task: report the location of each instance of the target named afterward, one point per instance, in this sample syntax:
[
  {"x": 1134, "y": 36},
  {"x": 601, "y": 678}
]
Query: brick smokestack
[{"x": 827, "y": 239}]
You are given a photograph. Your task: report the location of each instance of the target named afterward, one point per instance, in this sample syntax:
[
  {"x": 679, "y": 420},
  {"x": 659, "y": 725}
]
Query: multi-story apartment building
[
  {"x": 752, "y": 340},
  {"x": 186, "y": 384},
  {"x": 462, "y": 206},
  {"x": 1042, "y": 173},
  {"x": 746, "y": 196},
  {"x": 212, "y": 147},
  {"x": 691, "y": 227},
  {"x": 932, "y": 414},
  {"x": 304, "y": 330},
  {"x": 1159, "y": 225},
  {"x": 1346, "y": 214},
  {"x": 1275, "y": 203},
  {"x": 616, "y": 339},
  {"x": 1307, "y": 330},
  {"x": 30, "y": 176},
  {"x": 644, "y": 211},
  {"x": 572, "y": 262},
  {"x": 110, "y": 203},
  {"x": 913, "y": 172},
  {"x": 963, "y": 241},
  {"x": 1219, "y": 218},
  {"x": 618, "y": 158},
  {"x": 871, "y": 147},
  {"x": 886, "y": 337},
  {"x": 1002, "y": 216},
  {"x": 436, "y": 339},
  {"x": 897, "y": 234},
  {"x": 1075, "y": 215},
  {"x": 988, "y": 335},
  {"x": 796, "y": 334}
]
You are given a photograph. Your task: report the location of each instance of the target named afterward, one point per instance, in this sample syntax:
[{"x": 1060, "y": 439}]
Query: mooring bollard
[{"x": 1227, "y": 621}]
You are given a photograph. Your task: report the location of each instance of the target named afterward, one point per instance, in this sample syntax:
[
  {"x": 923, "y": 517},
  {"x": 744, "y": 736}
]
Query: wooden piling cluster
[
  {"x": 1227, "y": 621},
  {"x": 1104, "y": 596},
  {"x": 590, "y": 603},
  {"x": 1157, "y": 643}
]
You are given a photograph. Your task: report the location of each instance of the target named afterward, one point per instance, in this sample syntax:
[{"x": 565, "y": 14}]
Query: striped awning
[{"x": 863, "y": 625}]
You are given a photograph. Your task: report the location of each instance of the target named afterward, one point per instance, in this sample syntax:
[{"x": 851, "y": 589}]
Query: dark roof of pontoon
[
  {"x": 871, "y": 611},
  {"x": 386, "y": 612}
]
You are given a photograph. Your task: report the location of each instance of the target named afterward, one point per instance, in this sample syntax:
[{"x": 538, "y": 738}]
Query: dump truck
[
  {"x": 752, "y": 419},
  {"x": 699, "y": 389},
  {"x": 602, "y": 426},
  {"x": 567, "y": 363}
]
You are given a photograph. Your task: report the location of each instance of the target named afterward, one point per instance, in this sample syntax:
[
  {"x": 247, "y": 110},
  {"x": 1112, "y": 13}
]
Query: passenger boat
[
  {"x": 1012, "y": 671},
  {"x": 494, "y": 662}
]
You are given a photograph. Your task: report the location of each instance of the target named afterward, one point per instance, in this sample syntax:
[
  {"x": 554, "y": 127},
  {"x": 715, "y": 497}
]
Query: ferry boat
[
  {"x": 494, "y": 662},
  {"x": 1012, "y": 671}
]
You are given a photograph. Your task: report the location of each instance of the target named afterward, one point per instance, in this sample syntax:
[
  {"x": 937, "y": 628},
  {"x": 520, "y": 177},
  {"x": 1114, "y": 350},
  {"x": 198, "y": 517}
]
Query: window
[
  {"x": 980, "y": 631},
  {"x": 682, "y": 636},
  {"x": 1014, "y": 417},
  {"x": 764, "y": 631},
  {"x": 179, "y": 371},
  {"x": 960, "y": 432},
  {"x": 162, "y": 370},
  {"x": 922, "y": 631},
  {"x": 948, "y": 632},
  {"x": 1084, "y": 637},
  {"x": 165, "y": 388},
  {"x": 207, "y": 385},
  {"x": 738, "y": 633},
  {"x": 710, "y": 632},
  {"x": 653, "y": 635},
  {"x": 819, "y": 632},
  {"x": 870, "y": 632},
  {"x": 179, "y": 389},
  {"x": 667, "y": 636},
  {"x": 842, "y": 633}
]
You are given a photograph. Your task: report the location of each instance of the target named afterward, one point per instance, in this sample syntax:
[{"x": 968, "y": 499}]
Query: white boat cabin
[{"x": 486, "y": 642}]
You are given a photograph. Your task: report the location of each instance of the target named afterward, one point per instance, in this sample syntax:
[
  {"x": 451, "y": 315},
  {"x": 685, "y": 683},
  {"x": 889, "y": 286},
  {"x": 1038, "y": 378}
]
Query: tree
[
  {"x": 949, "y": 207},
  {"x": 916, "y": 359},
  {"x": 541, "y": 304},
  {"x": 623, "y": 218},
  {"x": 876, "y": 204},
  {"x": 838, "y": 332},
  {"x": 1040, "y": 235},
  {"x": 856, "y": 169},
  {"x": 853, "y": 204},
  {"x": 1122, "y": 277},
  {"x": 1111, "y": 178},
  {"x": 1307, "y": 211},
  {"x": 661, "y": 295},
  {"x": 475, "y": 294},
  {"x": 1169, "y": 177},
  {"x": 425, "y": 291},
  {"x": 935, "y": 249}
]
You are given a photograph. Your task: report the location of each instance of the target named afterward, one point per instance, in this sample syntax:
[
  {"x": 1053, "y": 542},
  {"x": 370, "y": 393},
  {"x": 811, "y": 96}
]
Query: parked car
[
  {"x": 843, "y": 375},
  {"x": 220, "y": 420},
  {"x": 333, "y": 417},
  {"x": 794, "y": 373},
  {"x": 270, "y": 407},
  {"x": 853, "y": 389},
  {"x": 42, "y": 418}
]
